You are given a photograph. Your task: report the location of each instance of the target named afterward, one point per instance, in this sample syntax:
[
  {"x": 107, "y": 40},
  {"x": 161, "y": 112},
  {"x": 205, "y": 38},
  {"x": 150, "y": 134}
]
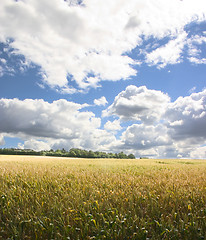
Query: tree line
[{"x": 73, "y": 152}]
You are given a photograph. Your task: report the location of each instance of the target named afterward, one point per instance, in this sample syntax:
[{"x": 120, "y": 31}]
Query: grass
[{"x": 59, "y": 198}]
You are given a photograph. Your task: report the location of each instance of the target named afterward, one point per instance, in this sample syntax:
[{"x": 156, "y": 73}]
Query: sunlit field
[{"x": 62, "y": 198}]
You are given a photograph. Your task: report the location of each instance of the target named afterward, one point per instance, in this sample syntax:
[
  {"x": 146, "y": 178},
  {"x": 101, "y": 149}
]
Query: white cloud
[
  {"x": 91, "y": 82},
  {"x": 64, "y": 39},
  {"x": 112, "y": 126},
  {"x": 192, "y": 90},
  {"x": 163, "y": 18},
  {"x": 197, "y": 60},
  {"x": 1, "y": 71},
  {"x": 170, "y": 53},
  {"x": 65, "y": 90},
  {"x": 186, "y": 123},
  {"x": 139, "y": 104},
  {"x": 2, "y": 142},
  {"x": 179, "y": 133},
  {"x": 40, "y": 118},
  {"x": 71, "y": 41},
  {"x": 177, "y": 129},
  {"x": 100, "y": 101},
  {"x": 59, "y": 121},
  {"x": 3, "y": 61},
  {"x": 141, "y": 137},
  {"x": 195, "y": 44},
  {"x": 198, "y": 153},
  {"x": 191, "y": 113},
  {"x": 36, "y": 145}
]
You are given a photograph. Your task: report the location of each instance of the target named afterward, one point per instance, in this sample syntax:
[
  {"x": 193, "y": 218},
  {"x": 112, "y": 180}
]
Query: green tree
[{"x": 131, "y": 156}]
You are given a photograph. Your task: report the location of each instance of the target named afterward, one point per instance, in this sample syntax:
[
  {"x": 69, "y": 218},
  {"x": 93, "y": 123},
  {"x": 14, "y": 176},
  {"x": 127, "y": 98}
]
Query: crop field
[{"x": 62, "y": 198}]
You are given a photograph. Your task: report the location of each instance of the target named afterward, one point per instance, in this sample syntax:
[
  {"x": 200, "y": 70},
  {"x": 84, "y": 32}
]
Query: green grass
[{"x": 57, "y": 198}]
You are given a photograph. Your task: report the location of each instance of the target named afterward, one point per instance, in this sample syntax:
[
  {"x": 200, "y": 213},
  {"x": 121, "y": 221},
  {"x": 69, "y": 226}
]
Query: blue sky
[{"x": 114, "y": 76}]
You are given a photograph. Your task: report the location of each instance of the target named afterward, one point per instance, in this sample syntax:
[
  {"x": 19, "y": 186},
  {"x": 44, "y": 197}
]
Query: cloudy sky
[{"x": 120, "y": 75}]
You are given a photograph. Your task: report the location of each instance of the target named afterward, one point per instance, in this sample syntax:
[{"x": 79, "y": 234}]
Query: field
[{"x": 61, "y": 198}]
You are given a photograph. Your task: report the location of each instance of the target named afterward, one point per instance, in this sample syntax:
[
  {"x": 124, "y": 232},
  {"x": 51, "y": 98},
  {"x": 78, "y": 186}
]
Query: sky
[{"x": 120, "y": 75}]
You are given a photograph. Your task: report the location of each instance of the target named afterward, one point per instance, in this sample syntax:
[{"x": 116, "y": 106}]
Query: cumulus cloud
[
  {"x": 144, "y": 140},
  {"x": 199, "y": 152},
  {"x": 139, "y": 136},
  {"x": 187, "y": 117},
  {"x": 36, "y": 145},
  {"x": 153, "y": 125},
  {"x": 68, "y": 38},
  {"x": 179, "y": 131},
  {"x": 113, "y": 126},
  {"x": 100, "y": 101},
  {"x": 60, "y": 120},
  {"x": 40, "y": 118},
  {"x": 139, "y": 104},
  {"x": 72, "y": 40}
]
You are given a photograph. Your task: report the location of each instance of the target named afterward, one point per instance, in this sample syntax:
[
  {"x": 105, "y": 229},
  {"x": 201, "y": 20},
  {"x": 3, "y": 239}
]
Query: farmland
[{"x": 65, "y": 198}]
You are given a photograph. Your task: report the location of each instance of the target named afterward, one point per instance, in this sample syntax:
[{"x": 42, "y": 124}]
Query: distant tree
[
  {"x": 91, "y": 154},
  {"x": 103, "y": 155},
  {"x": 122, "y": 155},
  {"x": 58, "y": 152},
  {"x": 63, "y": 150},
  {"x": 111, "y": 155},
  {"x": 73, "y": 152},
  {"x": 131, "y": 156}
]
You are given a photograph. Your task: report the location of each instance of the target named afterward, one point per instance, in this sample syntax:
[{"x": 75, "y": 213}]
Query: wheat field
[{"x": 64, "y": 198}]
